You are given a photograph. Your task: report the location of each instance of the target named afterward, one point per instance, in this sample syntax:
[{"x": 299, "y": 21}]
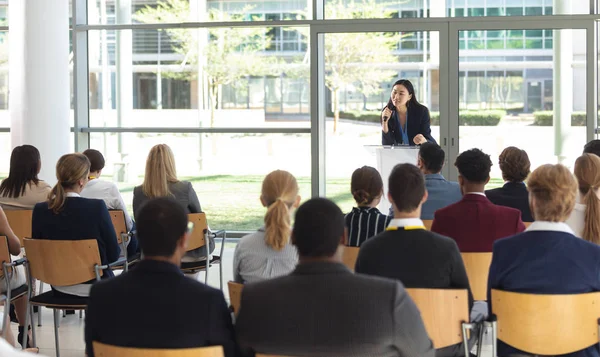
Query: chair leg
[
  {"x": 41, "y": 290},
  {"x": 482, "y": 328},
  {"x": 466, "y": 327},
  {"x": 5, "y": 319},
  {"x": 494, "y": 339},
  {"x": 33, "y": 340},
  {"x": 28, "y": 310},
  {"x": 221, "y": 274},
  {"x": 80, "y": 314},
  {"x": 56, "y": 319}
]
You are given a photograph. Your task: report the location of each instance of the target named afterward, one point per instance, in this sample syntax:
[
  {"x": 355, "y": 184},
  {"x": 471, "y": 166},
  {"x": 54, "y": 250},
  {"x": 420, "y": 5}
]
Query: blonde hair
[
  {"x": 70, "y": 168},
  {"x": 587, "y": 171},
  {"x": 279, "y": 193},
  {"x": 554, "y": 189},
  {"x": 160, "y": 171}
]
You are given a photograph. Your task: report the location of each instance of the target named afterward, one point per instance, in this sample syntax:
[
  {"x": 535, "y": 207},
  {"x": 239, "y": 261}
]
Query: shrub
[
  {"x": 467, "y": 117},
  {"x": 546, "y": 118}
]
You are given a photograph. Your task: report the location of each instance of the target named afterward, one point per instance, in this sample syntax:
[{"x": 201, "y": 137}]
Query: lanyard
[{"x": 406, "y": 228}]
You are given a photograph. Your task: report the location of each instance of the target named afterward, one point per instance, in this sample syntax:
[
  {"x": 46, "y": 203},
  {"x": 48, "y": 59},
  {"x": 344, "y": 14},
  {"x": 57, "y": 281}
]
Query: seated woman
[
  {"x": 22, "y": 189},
  {"x": 515, "y": 167},
  {"x": 547, "y": 258},
  {"x": 68, "y": 216},
  {"x": 17, "y": 279},
  {"x": 268, "y": 253},
  {"x": 160, "y": 180},
  {"x": 585, "y": 218},
  {"x": 365, "y": 220}
]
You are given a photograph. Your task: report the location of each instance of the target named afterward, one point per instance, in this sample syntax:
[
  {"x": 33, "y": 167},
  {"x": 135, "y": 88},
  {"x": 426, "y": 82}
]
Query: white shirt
[
  {"x": 549, "y": 226},
  {"x": 577, "y": 218},
  {"x": 406, "y": 222},
  {"x": 476, "y": 193},
  {"x": 109, "y": 193}
]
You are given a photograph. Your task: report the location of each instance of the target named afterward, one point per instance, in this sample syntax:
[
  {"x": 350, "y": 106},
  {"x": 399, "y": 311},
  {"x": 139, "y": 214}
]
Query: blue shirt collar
[{"x": 434, "y": 177}]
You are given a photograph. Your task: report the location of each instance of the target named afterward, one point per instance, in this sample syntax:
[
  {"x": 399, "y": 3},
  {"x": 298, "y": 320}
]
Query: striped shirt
[
  {"x": 364, "y": 223},
  {"x": 254, "y": 260}
]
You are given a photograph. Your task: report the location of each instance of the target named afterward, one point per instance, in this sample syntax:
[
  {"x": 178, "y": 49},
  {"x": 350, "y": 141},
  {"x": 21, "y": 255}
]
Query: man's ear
[
  {"x": 344, "y": 238},
  {"x": 419, "y": 163},
  {"x": 184, "y": 241},
  {"x": 487, "y": 180},
  {"x": 425, "y": 196},
  {"x": 297, "y": 202}
]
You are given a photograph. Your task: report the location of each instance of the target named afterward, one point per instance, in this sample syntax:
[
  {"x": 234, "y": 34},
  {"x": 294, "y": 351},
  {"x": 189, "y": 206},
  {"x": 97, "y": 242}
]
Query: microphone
[{"x": 390, "y": 107}]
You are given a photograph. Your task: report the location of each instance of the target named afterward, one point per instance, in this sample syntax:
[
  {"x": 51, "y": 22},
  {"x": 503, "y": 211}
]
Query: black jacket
[
  {"x": 514, "y": 195},
  {"x": 418, "y": 123}
]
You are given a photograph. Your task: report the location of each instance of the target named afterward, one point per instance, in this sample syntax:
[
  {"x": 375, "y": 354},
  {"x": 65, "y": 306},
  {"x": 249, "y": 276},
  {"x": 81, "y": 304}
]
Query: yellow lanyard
[{"x": 406, "y": 228}]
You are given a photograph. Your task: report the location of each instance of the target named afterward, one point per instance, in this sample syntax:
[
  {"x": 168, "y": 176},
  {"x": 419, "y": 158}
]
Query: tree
[{"x": 229, "y": 54}]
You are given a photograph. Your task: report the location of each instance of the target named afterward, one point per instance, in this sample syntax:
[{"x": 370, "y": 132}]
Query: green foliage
[
  {"x": 467, "y": 117},
  {"x": 546, "y": 118}
]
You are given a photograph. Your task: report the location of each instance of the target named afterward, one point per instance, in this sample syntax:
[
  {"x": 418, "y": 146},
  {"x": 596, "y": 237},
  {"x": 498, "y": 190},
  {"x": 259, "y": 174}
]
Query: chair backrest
[
  {"x": 264, "y": 355},
  {"x": 527, "y": 224},
  {"x": 547, "y": 324},
  {"x": 102, "y": 350},
  {"x": 62, "y": 262},
  {"x": 4, "y": 254},
  {"x": 118, "y": 220},
  {"x": 349, "y": 256},
  {"x": 478, "y": 269},
  {"x": 20, "y": 222},
  {"x": 235, "y": 295},
  {"x": 443, "y": 311},
  {"x": 198, "y": 236},
  {"x": 427, "y": 223}
]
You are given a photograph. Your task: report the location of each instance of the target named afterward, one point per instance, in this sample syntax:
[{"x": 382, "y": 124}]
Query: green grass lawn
[{"x": 232, "y": 202}]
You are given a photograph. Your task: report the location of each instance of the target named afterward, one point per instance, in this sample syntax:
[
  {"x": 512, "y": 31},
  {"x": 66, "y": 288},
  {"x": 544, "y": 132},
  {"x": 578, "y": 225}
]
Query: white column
[
  {"x": 562, "y": 81},
  {"x": 39, "y": 100}
]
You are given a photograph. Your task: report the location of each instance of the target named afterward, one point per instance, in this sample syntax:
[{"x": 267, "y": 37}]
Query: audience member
[
  {"x": 365, "y": 220},
  {"x": 585, "y": 218},
  {"x": 108, "y": 192},
  {"x": 162, "y": 308},
  {"x": 441, "y": 192},
  {"x": 409, "y": 253},
  {"x": 322, "y": 309},
  {"x": 515, "y": 165},
  {"x": 160, "y": 180},
  {"x": 593, "y": 147},
  {"x": 547, "y": 258},
  {"x": 68, "y": 216},
  {"x": 268, "y": 253},
  {"x": 474, "y": 222},
  {"x": 22, "y": 189}
]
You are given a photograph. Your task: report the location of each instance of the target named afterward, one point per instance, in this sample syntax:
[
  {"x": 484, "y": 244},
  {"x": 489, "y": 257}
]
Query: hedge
[
  {"x": 546, "y": 118},
  {"x": 467, "y": 117}
]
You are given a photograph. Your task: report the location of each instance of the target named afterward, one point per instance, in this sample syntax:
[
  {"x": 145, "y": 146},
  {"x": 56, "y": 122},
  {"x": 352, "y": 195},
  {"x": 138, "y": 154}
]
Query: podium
[{"x": 387, "y": 157}]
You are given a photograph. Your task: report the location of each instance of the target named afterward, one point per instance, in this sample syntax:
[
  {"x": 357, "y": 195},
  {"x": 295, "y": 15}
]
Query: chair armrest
[
  {"x": 17, "y": 262},
  {"x": 219, "y": 233},
  {"x": 117, "y": 262}
]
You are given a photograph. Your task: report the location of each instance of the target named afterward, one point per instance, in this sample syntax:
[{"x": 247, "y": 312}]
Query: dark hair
[
  {"x": 474, "y": 165},
  {"x": 411, "y": 90},
  {"x": 24, "y": 167},
  {"x": 366, "y": 185},
  {"x": 593, "y": 147},
  {"x": 407, "y": 187},
  {"x": 318, "y": 227},
  {"x": 432, "y": 156},
  {"x": 96, "y": 159},
  {"x": 514, "y": 164},
  {"x": 161, "y": 222}
]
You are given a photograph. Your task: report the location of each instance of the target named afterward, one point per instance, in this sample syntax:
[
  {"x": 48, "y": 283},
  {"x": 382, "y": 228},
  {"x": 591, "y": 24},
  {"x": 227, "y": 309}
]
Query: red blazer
[{"x": 475, "y": 223}]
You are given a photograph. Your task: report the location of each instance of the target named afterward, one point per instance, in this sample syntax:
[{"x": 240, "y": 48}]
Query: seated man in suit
[
  {"x": 154, "y": 305},
  {"x": 474, "y": 222},
  {"x": 441, "y": 192},
  {"x": 409, "y": 253},
  {"x": 593, "y": 147},
  {"x": 547, "y": 258},
  {"x": 322, "y": 309},
  {"x": 515, "y": 167}
]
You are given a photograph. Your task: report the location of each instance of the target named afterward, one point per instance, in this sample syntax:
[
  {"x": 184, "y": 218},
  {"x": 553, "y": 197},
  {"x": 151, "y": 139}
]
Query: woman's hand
[
  {"x": 386, "y": 114},
  {"x": 419, "y": 139}
]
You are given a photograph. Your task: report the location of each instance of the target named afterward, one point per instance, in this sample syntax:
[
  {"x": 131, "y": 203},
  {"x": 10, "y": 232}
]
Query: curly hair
[
  {"x": 514, "y": 164},
  {"x": 474, "y": 165},
  {"x": 366, "y": 185},
  {"x": 593, "y": 147}
]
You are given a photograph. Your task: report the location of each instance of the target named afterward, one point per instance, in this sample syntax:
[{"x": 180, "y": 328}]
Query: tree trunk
[
  {"x": 213, "y": 103},
  {"x": 336, "y": 108}
]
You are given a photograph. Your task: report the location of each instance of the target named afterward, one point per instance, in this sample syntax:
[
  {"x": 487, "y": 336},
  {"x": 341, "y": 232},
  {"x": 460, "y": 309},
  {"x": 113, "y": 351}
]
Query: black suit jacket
[
  {"x": 324, "y": 310},
  {"x": 155, "y": 306},
  {"x": 514, "y": 195},
  {"x": 418, "y": 258},
  {"x": 418, "y": 123}
]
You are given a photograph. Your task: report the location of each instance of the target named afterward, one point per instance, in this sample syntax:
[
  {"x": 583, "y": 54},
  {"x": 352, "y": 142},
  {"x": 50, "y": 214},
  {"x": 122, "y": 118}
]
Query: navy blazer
[
  {"x": 155, "y": 306},
  {"x": 418, "y": 123},
  {"x": 80, "y": 218},
  {"x": 544, "y": 262},
  {"x": 514, "y": 195}
]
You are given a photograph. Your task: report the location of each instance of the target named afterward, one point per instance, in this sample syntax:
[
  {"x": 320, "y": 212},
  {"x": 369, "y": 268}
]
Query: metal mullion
[
  {"x": 444, "y": 99},
  {"x": 452, "y": 147},
  {"x": 559, "y": 23},
  {"x": 80, "y": 76},
  {"x": 317, "y": 114},
  {"x": 592, "y": 80},
  {"x": 192, "y": 130},
  {"x": 193, "y": 25}
]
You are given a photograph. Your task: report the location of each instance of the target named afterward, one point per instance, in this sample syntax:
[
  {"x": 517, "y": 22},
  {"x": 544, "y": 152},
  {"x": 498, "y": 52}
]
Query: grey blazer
[{"x": 323, "y": 310}]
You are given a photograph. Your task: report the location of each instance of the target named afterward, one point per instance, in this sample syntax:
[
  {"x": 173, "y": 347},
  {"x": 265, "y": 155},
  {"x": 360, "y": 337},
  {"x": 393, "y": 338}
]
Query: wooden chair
[
  {"x": 12, "y": 293},
  {"x": 199, "y": 238},
  {"x": 427, "y": 223},
  {"x": 235, "y": 296},
  {"x": 62, "y": 263},
  {"x": 20, "y": 222},
  {"x": 445, "y": 313},
  {"x": 545, "y": 324},
  {"x": 102, "y": 350},
  {"x": 478, "y": 268},
  {"x": 349, "y": 256},
  {"x": 123, "y": 236},
  {"x": 527, "y": 224},
  {"x": 264, "y": 355}
]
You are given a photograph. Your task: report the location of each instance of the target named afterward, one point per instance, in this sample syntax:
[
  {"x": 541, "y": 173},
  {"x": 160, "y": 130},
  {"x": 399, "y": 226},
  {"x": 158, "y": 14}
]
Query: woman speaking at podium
[{"x": 404, "y": 121}]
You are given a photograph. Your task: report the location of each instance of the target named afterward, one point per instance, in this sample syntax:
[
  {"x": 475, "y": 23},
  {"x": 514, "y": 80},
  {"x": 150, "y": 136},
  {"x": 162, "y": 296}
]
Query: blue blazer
[
  {"x": 80, "y": 218},
  {"x": 512, "y": 194},
  {"x": 442, "y": 193},
  {"x": 544, "y": 262},
  {"x": 418, "y": 122}
]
